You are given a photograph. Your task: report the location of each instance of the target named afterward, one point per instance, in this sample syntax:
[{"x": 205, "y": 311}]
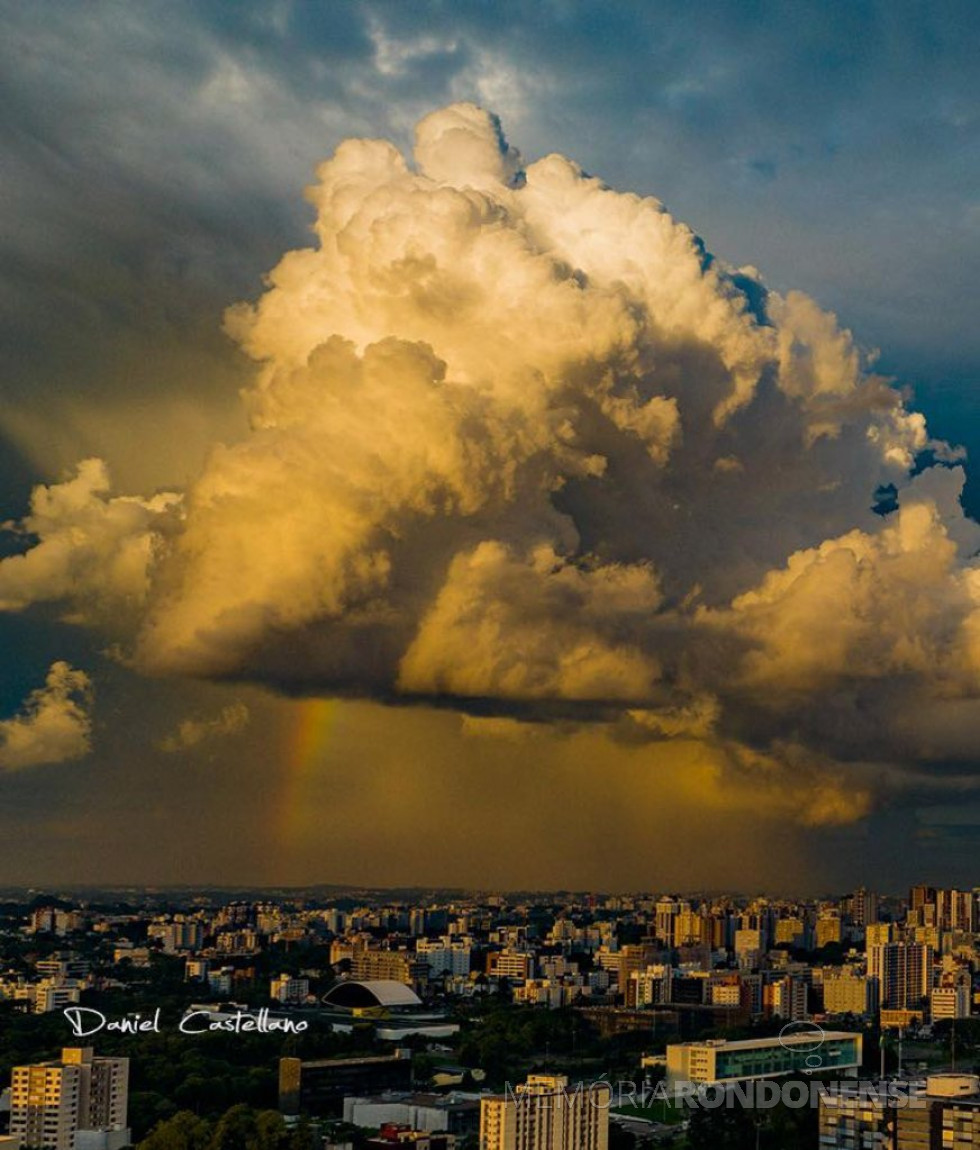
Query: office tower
[
  {"x": 544, "y": 1114},
  {"x": 54, "y": 1105}
]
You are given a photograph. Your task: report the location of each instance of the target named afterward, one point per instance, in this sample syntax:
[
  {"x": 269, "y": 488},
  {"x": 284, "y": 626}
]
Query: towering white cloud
[
  {"x": 92, "y": 552},
  {"x": 519, "y": 443},
  {"x": 54, "y": 725}
]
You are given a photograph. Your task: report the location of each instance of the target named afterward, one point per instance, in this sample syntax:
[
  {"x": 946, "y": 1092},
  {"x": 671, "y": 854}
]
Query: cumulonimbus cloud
[
  {"x": 53, "y": 726},
  {"x": 519, "y": 443}
]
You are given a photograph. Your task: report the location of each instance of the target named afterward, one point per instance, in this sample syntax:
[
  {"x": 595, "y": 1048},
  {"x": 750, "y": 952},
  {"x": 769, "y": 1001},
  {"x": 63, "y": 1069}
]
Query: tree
[
  {"x": 185, "y": 1131},
  {"x": 236, "y": 1130},
  {"x": 303, "y": 1136},
  {"x": 242, "y": 1128}
]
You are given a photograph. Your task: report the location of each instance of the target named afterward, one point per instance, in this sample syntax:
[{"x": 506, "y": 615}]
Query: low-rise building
[{"x": 719, "y": 1060}]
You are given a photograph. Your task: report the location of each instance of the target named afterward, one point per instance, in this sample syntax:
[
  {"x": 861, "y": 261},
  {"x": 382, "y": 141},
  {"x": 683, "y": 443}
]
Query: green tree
[
  {"x": 303, "y": 1136},
  {"x": 271, "y": 1130},
  {"x": 236, "y": 1130},
  {"x": 185, "y": 1131}
]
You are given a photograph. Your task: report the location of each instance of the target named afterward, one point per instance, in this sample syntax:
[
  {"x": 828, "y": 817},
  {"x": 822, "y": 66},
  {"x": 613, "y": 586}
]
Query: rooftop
[
  {"x": 799, "y": 1038},
  {"x": 356, "y": 993}
]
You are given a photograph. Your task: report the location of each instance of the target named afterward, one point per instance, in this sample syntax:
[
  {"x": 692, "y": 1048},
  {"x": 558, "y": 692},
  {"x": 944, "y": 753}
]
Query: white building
[{"x": 446, "y": 955}]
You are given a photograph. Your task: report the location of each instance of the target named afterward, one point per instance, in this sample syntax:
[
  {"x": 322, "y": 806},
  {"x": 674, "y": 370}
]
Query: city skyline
[{"x": 479, "y": 520}]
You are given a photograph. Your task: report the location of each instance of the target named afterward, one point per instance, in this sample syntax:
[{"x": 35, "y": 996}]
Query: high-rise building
[
  {"x": 904, "y": 973},
  {"x": 688, "y": 927},
  {"x": 956, "y": 910},
  {"x": 791, "y": 931},
  {"x": 877, "y": 933},
  {"x": 950, "y": 997},
  {"x": 786, "y": 998},
  {"x": 862, "y": 907},
  {"x": 650, "y": 987},
  {"x": 921, "y": 896},
  {"x": 53, "y": 920},
  {"x": 182, "y": 934},
  {"x": 846, "y": 992},
  {"x": 545, "y": 1114},
  {"x": 749, "y": 945},
  {"x": 54, "y": 1105},
  {"x": 828, "y": 930},
  {"x": 666, "y": 914},
  {"x": 446, "y": 955}
]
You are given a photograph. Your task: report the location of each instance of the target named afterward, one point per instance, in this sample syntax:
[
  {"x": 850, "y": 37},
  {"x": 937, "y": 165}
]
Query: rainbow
[{"x": 306, "y": 749}]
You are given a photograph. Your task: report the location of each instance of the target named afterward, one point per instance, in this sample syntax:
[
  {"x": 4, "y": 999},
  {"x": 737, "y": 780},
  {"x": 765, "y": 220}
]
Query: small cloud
[
  {"x": 498, "y": 727},
  {"x": 54, "y": 725},
  {"x": 229, "y": 721}
]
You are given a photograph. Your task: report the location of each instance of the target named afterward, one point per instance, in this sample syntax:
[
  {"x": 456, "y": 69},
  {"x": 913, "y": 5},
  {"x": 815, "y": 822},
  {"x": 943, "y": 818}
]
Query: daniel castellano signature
[{"x": 84, "y": 1020}]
